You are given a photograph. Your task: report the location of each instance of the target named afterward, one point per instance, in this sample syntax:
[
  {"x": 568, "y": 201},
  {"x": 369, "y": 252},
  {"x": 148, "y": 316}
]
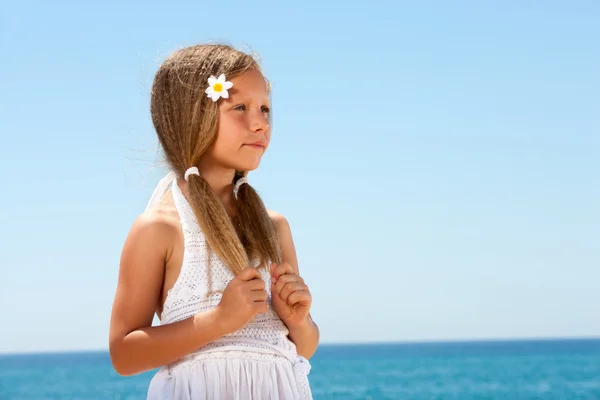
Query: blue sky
[{"x": 438, "y": 162}]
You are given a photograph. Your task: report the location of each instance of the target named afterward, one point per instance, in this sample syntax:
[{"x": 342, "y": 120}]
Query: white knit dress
[{"x": 256, "y": 362}]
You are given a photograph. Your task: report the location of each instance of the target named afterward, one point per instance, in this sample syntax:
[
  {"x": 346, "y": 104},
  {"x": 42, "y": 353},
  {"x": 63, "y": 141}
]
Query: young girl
[{"x": 218, "y": 269}]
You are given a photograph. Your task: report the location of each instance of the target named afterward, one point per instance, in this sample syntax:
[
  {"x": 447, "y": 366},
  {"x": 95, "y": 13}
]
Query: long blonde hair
[{"x": 186, "y": 123}]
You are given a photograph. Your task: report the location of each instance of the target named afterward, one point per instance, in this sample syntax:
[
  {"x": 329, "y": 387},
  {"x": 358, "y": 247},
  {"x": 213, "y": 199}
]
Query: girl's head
[
  {"x": 228, "y": 135},
  {"x": 189, "y": 123}
]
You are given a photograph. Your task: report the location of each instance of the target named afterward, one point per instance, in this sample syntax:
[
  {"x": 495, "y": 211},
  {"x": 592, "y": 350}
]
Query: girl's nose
[{"x": 259, "y": 122}]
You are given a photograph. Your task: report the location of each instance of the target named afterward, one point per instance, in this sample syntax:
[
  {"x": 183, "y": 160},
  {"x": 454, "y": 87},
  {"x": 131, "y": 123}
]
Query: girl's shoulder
[
  {"x": 157, "y": 227},
  {"x": 282, "y": 227},
  {"x": 278, "y": 219}
]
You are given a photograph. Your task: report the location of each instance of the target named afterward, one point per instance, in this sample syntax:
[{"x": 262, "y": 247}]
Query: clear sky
[{"x": 438, "y": 161}]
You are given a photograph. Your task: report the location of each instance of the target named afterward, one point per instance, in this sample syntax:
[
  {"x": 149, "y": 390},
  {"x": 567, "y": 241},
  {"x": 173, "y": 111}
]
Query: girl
[{"x": 218, "y": 269}]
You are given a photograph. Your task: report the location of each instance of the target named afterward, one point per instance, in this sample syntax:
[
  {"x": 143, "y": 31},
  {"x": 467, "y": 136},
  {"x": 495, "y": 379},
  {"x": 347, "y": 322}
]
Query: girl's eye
[{"x": 242, "y": 107}]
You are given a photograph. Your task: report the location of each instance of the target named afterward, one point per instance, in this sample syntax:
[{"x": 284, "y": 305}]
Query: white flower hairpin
[{"x": 217, "y": 88}]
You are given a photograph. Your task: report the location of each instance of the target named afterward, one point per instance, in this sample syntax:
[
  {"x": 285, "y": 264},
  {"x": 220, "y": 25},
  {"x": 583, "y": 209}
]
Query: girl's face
[{"x": 244, "y": 131}]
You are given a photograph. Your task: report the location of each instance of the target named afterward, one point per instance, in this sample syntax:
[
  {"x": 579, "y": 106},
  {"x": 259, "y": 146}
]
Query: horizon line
[{"x": 354, "y": 343}]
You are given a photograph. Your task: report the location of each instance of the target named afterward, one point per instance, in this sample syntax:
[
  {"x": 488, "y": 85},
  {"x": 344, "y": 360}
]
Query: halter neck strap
[{"x": 161, "y": 188}]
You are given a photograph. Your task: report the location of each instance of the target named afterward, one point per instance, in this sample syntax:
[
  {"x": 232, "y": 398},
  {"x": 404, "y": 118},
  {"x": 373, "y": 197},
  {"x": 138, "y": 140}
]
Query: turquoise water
[{"x": 563, "y": 369}]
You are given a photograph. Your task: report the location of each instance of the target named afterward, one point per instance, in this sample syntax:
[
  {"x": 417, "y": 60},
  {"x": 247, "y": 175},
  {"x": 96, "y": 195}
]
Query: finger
[
  {"x": 302, "y": 297},
  {"x": 248, "y": 274},
  {"x": 255, "y": 284},
  {"x": 258, "y": 296},
  {"x": 282, "y": 269},
  {"x": 260, "y": 306},
  {"x": 284, "y": 280},
  {"x": 290, "y": 288}
]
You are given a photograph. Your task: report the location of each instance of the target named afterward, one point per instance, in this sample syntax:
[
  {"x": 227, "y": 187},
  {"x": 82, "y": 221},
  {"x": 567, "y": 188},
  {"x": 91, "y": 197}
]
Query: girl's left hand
[{"x": 290, "y": 296}]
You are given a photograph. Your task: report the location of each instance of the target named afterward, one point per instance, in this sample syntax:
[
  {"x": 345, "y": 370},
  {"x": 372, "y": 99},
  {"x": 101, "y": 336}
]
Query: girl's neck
[{"x": 220, "y": 181}]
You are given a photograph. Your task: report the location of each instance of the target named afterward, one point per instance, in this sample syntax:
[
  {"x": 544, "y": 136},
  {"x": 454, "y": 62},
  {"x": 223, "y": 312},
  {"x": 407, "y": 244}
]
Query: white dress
[{"x": 257, "y": 362}]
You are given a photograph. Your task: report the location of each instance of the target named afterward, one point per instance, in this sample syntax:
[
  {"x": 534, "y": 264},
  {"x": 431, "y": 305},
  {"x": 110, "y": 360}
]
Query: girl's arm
[
  {"x": 305, "y": 336},
  {"x": 135, "y": 346}
]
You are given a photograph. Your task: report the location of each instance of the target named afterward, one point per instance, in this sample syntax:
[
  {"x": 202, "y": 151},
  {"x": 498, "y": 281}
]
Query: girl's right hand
[{"x": 243, "y": 298}]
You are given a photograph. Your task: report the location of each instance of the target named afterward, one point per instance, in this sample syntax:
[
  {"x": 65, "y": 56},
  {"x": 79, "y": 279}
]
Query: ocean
[{"x": 515, "y": 370}]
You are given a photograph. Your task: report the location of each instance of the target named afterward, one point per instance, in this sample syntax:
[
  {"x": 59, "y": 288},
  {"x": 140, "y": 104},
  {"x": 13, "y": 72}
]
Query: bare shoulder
[
  {"x": 150, "y": 242},
  {"x": 279, "y": 220},
  {"x": 153, "y": 229},
  {"x": 160, "y": 221},
  {"x": 147, "y": 248},
  {"x": 286, "y": 242}
]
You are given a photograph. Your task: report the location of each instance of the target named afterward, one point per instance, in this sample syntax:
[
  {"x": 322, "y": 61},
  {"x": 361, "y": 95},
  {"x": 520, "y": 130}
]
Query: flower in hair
[{"x": 217, "y": 87}]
